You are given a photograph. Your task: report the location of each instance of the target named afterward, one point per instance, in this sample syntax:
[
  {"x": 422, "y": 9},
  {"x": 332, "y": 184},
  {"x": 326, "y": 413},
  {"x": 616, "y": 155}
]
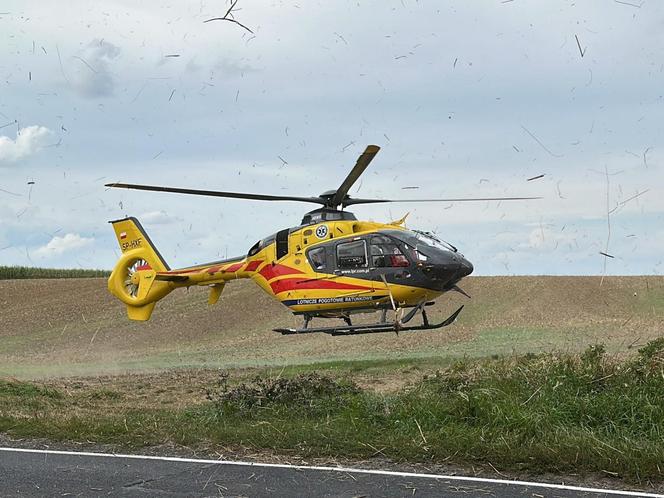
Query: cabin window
[
  {"x": 352, "y": 254},
  {"x": 317, "y": 258},
  {"x": 282, "y": 243},
  {"x": 385, "y": 253},
  {"x": 255, "y": 248}
]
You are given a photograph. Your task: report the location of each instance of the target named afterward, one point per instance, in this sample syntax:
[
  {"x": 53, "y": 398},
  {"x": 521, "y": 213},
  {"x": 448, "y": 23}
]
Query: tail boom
[{"x": 141, "y": 277}]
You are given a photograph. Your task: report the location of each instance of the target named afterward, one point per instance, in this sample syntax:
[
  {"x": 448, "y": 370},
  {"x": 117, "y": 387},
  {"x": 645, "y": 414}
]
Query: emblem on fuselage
[{"x": 321, "y": 231}]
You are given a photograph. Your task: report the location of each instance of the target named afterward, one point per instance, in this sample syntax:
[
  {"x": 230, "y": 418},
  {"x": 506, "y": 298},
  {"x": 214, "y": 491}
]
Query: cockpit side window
[
  {"x": 352, "y": 254},
  {"x": 317, "y": 258},
  {"x": 386, "y": 254}
]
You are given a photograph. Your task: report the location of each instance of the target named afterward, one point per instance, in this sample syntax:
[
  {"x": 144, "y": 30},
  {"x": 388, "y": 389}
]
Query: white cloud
[
  {"x": 156, "y": 218},
  {"x": 545, "y": 239},
  {"x": 28, "y": 141},
  {"x": 93, "y": 78},
  {"x": 228, "y": 68},
  {"x": 60, "y": 245}
]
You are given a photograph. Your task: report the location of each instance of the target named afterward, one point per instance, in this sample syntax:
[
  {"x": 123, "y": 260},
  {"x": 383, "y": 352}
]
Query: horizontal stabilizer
[{"x": 172, "y": 278}]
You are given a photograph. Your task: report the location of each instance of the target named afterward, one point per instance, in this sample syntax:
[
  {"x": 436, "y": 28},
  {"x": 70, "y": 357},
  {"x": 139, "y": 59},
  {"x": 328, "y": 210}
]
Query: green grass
[
  {"x": 25, "y": 390},
  {"x": 18, "y": 272},
  {"x": 541, "y": 413},
  {"x": 544, "y": 413},
  {"x": 364, "y": 366}
]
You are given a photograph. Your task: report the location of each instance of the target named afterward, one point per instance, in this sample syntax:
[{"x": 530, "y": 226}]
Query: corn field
[{"x": 17, "y": 272}]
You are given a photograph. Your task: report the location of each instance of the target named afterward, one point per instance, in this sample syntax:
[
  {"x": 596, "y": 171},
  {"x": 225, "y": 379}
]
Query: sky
[{"x": 465, "y": 99}]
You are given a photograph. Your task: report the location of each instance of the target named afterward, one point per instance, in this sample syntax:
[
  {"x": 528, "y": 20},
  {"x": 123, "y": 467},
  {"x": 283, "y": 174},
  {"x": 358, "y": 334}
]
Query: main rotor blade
[
  {"x": 362, "y": 162},
  {"x": 216, "y": 193},
  {"x": 350, "y": 202}
]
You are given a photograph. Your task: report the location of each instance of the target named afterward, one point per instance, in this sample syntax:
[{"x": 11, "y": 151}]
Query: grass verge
[{"x": 536, "y": 413}]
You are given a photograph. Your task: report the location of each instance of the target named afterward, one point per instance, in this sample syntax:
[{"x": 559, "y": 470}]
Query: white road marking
[{"x": 338, "y": 469}]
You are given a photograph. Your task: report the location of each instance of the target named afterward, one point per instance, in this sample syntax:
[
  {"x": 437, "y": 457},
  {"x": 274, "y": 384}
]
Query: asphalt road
[{"x": 52, "y": 473}]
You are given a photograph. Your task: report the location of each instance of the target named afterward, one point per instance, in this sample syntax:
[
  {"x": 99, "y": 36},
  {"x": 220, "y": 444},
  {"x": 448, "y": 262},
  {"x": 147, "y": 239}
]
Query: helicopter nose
[
  {"x": 460, "y": 267},
  {"x": 448, "y": 269},
  {"x": 465, "y": 267}
]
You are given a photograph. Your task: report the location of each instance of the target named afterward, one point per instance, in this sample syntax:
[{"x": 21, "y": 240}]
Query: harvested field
[{"x": 73, "y": 327}]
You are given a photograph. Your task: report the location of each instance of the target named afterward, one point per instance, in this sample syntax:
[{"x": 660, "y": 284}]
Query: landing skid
[{"x": 373, "y": 328}]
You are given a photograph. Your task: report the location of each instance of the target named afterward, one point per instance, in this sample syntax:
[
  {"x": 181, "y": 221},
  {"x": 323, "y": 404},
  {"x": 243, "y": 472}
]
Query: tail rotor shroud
[{"x": 132, "y": 280}]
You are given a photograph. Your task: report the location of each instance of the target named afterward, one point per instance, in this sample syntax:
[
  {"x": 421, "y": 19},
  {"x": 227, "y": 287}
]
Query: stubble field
[{"x": 73, "y": 327}]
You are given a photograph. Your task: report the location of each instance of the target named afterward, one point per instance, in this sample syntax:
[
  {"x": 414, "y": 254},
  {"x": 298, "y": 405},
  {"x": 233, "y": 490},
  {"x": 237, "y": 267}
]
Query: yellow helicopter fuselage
[{"x": 281, "y": 265}]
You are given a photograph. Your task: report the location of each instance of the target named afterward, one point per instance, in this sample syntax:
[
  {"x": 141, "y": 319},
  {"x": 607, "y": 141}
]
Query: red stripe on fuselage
[
  {"x": 269, "y": 272},
  {"x": 297, "y": 284},
  {"x": 252, "y": 266},
  {"x": 233, "y": 268}
]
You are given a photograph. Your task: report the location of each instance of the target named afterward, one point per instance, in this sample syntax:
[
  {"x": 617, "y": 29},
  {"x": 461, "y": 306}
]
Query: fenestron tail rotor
[
  {"x": 331, "y": 199},
  {"x": 132, "y": 278}
]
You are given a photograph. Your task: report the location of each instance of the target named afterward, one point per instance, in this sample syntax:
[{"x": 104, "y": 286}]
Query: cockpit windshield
[
  {"x": 418, "y": 242},
  {"x": 431, "y": 240}
]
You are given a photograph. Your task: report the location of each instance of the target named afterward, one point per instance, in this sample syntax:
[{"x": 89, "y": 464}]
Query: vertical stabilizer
[{"x": 133, "y": 279}]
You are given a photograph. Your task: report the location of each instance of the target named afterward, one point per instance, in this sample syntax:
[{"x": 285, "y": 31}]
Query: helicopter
[{"x": 331, "y": 265}]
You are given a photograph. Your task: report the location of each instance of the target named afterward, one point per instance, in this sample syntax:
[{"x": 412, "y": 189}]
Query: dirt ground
[{"x": 73, "y": 327}]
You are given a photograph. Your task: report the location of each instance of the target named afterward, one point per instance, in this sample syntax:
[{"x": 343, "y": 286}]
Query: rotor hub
[{"x": 327, "y": 214}]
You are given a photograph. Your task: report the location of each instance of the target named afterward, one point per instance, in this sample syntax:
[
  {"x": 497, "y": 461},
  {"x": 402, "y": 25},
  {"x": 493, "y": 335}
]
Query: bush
[
  {"x": 309, "y": 393},
  {"x": 650, "y": 361}
]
